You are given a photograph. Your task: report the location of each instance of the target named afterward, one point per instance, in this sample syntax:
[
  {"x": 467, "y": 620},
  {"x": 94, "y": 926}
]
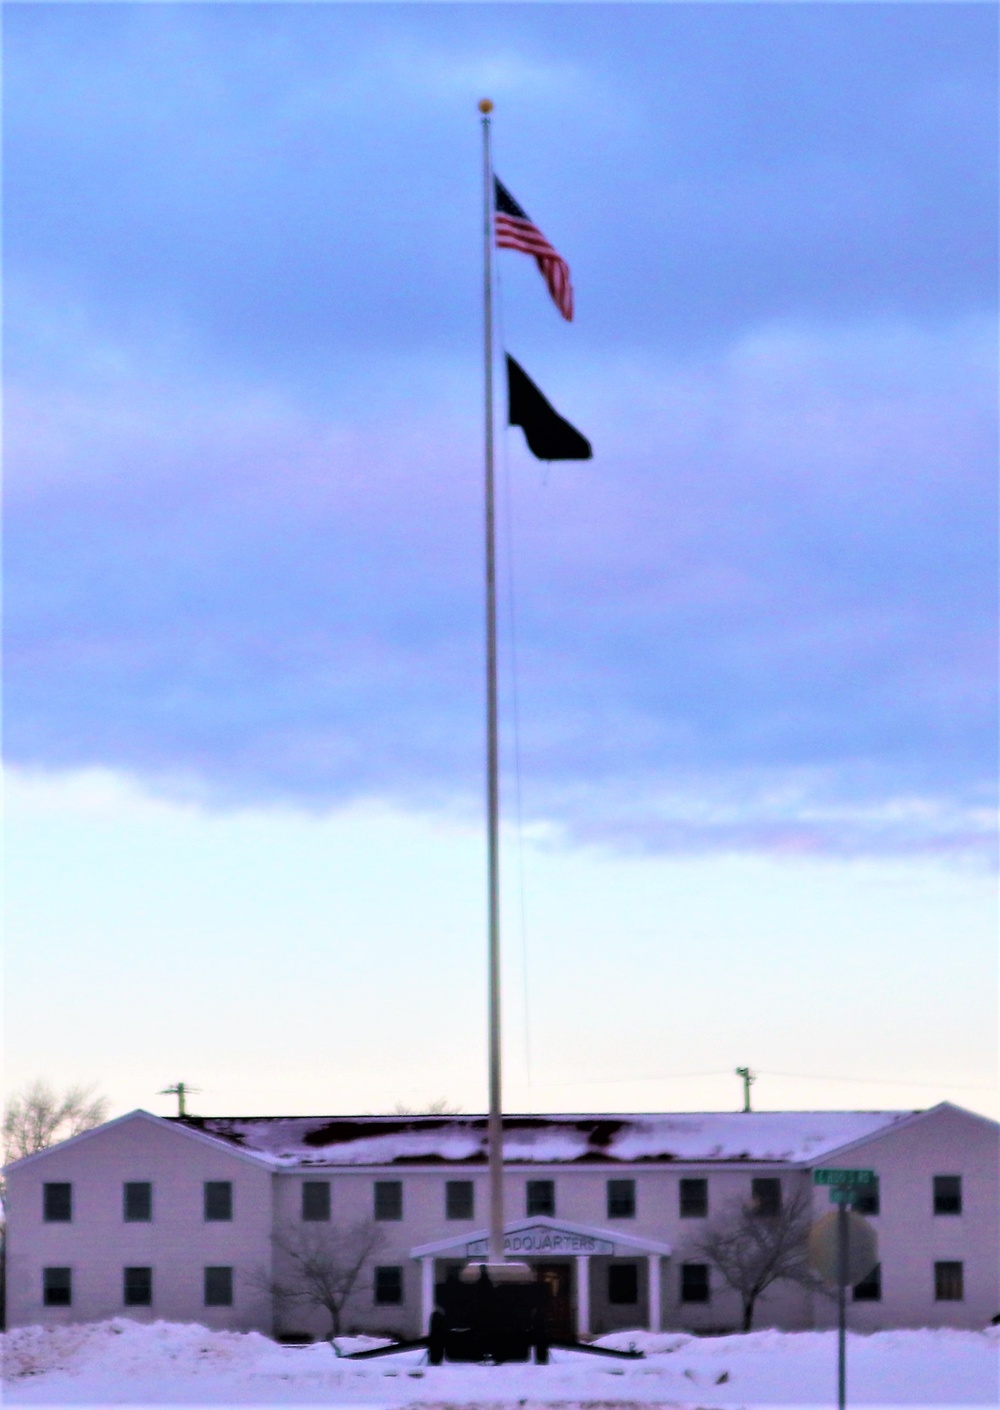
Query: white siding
[
  {"x": 177, "y": 1244},
  {"x": 912, "y": 1238}
]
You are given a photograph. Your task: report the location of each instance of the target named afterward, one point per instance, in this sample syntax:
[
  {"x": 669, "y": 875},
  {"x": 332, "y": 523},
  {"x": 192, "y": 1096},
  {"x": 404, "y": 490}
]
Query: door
[{"x": 558, "y": 1277}]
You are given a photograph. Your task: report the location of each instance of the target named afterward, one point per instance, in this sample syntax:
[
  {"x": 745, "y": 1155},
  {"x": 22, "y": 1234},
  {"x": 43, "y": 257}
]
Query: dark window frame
[
  {"x": 459, "y": 1199},
  {"x": 623, "y": 1284},
  {"x": 762, "y": 1201},
  {"x": 136, "y": 1208},
  {"x": 56, "y": 1282},
  {"x": 57, "y": 1202},
  {"x": 870, "y": 1288},
  {"x": 388, "y": 1286},
  {"x": 621, "y": 1199},
  {"x": 540, "y": 1199},
  {"x": 137, "y": 1286},
  {"x": 316, "y": 1201},
  {"x": 218, "y": 1285},
  {"x": 388, "y": 1200},
  {"x": 947, "y": 1194},
  {"x": 692, "y": 1197},
  {"x": 695, "y": 1283},
  {"x": 218, "y": 1198},
  {"x": 949, "y": 1281},
  {"x": 868, "y": 1199}
]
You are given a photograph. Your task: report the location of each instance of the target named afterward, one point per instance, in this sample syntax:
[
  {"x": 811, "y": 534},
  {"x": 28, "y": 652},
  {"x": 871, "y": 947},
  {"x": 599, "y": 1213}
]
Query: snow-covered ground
[{"x": 128, "y": 1363}]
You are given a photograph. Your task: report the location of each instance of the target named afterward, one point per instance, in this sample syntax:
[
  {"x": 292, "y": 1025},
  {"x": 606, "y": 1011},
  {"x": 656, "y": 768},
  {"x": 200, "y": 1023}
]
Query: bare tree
[
  {"x": 751, "y": 1250},
  {"x": 38, "y": 1117},
  {"x": 321, "y": 1266},
  {"x": 33, "y": 1120}
]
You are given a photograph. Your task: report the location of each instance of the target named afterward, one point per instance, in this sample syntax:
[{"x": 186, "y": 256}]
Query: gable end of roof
[
  {"x": 261, "y": 1162},
  {"x": 903, "y": 1124}
]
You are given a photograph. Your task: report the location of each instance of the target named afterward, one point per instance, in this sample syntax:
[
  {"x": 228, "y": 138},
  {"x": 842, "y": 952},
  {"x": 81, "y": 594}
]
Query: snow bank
[
  {"x": 159, "y": 1363},
  {"x": 130, "y": 1347}
]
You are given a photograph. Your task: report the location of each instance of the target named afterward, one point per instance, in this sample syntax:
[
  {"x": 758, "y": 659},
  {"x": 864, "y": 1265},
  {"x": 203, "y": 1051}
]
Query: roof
[
  {"x": 190, "y": 1131},
  {"x": 787, "y": 1137}
]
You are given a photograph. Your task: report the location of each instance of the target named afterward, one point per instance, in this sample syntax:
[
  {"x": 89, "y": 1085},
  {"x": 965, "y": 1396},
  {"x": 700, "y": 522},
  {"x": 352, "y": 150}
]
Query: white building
[{"x": 178, "y": 1218}]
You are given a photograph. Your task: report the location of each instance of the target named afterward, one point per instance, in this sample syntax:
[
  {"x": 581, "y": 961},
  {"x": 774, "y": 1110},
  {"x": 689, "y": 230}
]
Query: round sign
[{"x": 862, "y": 1248}]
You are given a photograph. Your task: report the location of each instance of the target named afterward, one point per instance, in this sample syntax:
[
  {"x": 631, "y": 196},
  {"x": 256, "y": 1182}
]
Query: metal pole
[
  {"x": 748, "y": 1077},
  {"x": 495, "y": 1123},
  {"x": 841, "y": 1306}
]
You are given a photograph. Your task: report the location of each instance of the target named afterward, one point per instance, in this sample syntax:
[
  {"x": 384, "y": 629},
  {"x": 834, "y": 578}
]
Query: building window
[
  {"x": 218, "y": 1200},
  {"x": 765, "y": 1197},
  {"x": 388, "y": 1286},
  {"x": 541, "y": 1197},
  {"x": 947, "y": 1194},
  {"x": 694, "y": 1199},
  {"x": 388, "y": 1199},
  {"x": 459, "y": 1199},
  {"x": 58, "y": 1203},
  {"x": 316, "y": 1200},
  {"x": 694, "y": 1282},
  {"x": 949, "y": 1283},
  {"x": 870, "y": 1288},
  {"x": 138, "y": 1285},
  {"x": 621, "y": 1199},
  {"x": 867, "y": 1199},
  {"x": 623, "y": 1283},
  {"x": 218, "y": 1287},
  {"x": 137, "y": 1201},
  {"x": 57, "y": 1287}
]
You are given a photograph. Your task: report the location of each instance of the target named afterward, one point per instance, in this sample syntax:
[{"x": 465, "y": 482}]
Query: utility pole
[
  {"x": 748, "y": 1080},
  {"x": 180, "y": 1090}
]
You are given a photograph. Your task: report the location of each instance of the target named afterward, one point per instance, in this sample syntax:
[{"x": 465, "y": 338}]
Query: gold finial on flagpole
[{"x": 485, "y": 105}]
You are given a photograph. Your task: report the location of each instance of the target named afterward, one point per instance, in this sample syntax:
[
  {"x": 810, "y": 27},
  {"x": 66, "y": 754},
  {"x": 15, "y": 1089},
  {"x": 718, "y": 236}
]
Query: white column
[
  {"x": 655, "y": 1315},
  {"x": 426, "y": 1294},
  {"x": 583, "y": 1294}
]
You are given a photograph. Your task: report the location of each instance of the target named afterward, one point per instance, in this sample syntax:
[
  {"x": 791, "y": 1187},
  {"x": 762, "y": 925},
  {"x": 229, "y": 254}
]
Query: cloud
[
  {"x": 298, "y": 188},
  {"x": 243, "y": 418},
  {"x": 769, "y": 589}
]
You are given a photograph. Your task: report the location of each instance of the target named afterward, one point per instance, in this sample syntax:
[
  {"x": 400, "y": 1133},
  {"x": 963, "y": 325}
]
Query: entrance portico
[{"x": 542, "y": 1240}]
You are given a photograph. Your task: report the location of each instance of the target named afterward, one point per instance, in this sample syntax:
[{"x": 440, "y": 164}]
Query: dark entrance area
[{"x": 558, "y": 1277}]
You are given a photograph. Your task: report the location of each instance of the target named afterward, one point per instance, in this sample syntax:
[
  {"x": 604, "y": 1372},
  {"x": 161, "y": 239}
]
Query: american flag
[{"x": 516, "y": 231}]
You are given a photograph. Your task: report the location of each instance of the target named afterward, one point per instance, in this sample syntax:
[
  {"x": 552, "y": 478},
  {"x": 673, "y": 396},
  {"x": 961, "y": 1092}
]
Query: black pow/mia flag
[{"x": 549, "y": 435}]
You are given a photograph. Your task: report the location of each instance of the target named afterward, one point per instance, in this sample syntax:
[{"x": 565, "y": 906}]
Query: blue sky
[{"x": 751, "y": 643}]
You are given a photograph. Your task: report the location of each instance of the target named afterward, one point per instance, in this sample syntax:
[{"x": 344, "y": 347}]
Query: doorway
[{"x": 559, "y": 1279}]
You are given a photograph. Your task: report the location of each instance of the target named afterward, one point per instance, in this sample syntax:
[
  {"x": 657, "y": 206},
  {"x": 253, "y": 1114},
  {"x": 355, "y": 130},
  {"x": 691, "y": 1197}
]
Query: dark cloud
[
  {"x": 300, "y": 184},
  {"x": 243, "y": 516}
]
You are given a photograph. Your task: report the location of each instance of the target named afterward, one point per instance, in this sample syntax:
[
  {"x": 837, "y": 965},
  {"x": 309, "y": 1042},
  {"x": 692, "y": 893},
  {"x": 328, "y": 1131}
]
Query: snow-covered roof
[{"x": 793, "y": 1137}]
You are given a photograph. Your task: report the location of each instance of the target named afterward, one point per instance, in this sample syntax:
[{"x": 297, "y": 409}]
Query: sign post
[
  {"x": 842, "y": 1237},
  {"x": 843, "y": 1249}
]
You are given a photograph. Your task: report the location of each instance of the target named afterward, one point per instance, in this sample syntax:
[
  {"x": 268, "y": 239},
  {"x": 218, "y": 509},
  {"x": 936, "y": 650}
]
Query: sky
[{"x": 748, "y": 652}]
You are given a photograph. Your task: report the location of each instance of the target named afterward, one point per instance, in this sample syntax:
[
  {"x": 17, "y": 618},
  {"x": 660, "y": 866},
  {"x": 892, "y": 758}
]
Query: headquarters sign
[{"x": 540, "y": 1240}]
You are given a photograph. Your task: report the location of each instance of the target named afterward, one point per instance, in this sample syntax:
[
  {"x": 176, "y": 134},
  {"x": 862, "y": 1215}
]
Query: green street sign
[{"x": 843, "y": 1177}]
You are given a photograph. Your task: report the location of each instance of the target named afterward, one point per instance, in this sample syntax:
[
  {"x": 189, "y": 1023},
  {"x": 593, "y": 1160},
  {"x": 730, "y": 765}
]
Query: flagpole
[{"x": 495, "y": 1121}]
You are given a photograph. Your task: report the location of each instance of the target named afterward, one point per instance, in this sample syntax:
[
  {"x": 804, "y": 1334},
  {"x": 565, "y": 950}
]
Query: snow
[
  {"x": 121, "y": 1362},
  {"x": 781, "y": 1136}
]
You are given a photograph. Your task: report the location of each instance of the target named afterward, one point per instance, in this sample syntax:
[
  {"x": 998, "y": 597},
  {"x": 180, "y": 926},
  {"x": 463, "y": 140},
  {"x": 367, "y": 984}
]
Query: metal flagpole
[{"x": 495, "y": 1124}]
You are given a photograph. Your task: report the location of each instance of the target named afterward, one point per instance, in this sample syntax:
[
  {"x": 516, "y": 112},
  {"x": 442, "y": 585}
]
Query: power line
[
  {"x": 795, "y": 1076},
  {"x": 658, "y": 1077},
  {"x": 881, "y": 1081}
]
